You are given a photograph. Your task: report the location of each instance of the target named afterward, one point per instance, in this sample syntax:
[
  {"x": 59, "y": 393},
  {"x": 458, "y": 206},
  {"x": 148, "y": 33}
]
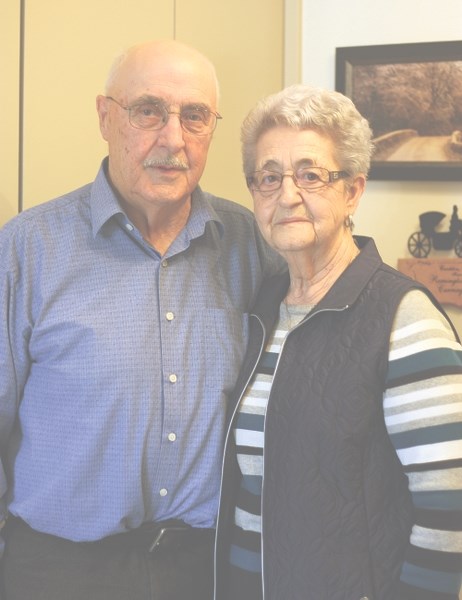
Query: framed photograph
[{"x": 411, "y": 95}]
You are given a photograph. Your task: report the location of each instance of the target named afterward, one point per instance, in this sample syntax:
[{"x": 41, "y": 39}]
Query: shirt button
[
  {"x": 172, "y": 378},
  {"x": 129, "y": 226},
  {"x": 169, "y": 316},
  {"x": 164, "y": 263},
  {"x": 171, "y": 437},
  {"x": 163, "y": 492}
]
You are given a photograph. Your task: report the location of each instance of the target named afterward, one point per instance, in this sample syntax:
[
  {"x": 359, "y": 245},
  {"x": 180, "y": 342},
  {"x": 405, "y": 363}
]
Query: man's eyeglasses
[
  {"x": 310, "y": 179},
  {"x": 151, "y": 116}
]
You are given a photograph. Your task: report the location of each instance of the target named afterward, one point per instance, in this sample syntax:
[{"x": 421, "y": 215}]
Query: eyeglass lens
[
  {"x": 308, "y": 178},
  {"x": 150, "y": 115}
]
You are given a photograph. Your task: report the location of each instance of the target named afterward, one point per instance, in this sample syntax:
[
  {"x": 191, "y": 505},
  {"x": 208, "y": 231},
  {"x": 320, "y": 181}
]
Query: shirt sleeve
[
  {"x": 12, "y": 367},
  {"x": 423, "y": 416}
]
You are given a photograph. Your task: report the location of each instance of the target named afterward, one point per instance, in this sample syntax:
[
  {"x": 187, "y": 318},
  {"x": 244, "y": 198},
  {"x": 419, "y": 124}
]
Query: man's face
[{"x": 162, "y": 166}]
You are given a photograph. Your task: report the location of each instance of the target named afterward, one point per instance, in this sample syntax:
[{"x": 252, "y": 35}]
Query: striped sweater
[{"x": 423, "y": 416}]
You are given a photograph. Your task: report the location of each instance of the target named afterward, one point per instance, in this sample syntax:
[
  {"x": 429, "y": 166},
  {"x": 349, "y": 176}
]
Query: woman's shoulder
[{"x": 417, "y": 310}]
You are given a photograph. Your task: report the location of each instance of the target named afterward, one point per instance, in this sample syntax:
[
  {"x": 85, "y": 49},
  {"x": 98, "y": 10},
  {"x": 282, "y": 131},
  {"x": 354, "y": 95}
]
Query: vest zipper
[
  {"x": 309, "y": 316},
  {"x": 228, "y": 431}
]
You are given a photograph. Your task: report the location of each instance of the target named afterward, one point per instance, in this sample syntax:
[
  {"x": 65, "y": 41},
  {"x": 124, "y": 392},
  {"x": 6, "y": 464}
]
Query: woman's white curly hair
[{"x": 305, "y": 107}]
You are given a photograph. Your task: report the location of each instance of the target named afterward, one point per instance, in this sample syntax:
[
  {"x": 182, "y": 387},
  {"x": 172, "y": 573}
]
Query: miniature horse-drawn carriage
[{"x": 420, "y": 243}]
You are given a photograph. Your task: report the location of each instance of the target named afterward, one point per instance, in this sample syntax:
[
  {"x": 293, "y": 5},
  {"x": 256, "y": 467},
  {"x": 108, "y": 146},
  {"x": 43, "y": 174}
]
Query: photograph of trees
[
  {"x": 411, "y": 95},
  {"x": 415, "y": 109}
]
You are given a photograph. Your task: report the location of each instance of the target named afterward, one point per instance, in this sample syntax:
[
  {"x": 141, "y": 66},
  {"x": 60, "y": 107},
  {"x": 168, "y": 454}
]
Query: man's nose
[{"x": 172, "y": 133}]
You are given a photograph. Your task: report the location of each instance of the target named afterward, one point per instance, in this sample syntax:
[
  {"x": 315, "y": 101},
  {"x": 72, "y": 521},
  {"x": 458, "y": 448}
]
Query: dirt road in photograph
[{"x": 422, "y": 148}]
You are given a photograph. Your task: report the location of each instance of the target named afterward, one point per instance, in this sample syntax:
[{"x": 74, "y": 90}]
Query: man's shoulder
[{"x": 60, "y": 209}]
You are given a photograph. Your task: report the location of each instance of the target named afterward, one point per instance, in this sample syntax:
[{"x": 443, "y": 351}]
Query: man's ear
[{"x": 102, "y": 109}]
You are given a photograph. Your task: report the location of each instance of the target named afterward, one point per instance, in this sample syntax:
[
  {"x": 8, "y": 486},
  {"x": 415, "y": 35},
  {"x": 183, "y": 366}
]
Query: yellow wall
[
  {"x": 68, "y": 48},
  {"x": 9, "y": 108}
]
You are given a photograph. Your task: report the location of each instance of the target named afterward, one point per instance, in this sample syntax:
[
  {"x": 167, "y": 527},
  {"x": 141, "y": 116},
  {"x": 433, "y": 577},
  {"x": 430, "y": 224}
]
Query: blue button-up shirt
[{"x": 118, "y": 361}]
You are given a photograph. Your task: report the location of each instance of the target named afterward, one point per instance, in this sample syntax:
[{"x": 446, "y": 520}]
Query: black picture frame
[{"x": 396, "y": 85}]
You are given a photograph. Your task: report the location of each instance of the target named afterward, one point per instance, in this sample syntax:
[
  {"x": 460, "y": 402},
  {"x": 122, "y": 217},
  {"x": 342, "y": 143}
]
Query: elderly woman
[{"x": 343, "y": 465}]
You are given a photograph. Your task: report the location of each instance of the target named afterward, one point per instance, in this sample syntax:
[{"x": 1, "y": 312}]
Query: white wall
[{"x": 389, "y": 210}]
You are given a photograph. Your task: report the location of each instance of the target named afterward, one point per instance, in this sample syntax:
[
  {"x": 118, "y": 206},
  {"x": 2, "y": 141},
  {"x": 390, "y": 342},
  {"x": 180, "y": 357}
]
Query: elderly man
[{"x": 124, "y": 323}]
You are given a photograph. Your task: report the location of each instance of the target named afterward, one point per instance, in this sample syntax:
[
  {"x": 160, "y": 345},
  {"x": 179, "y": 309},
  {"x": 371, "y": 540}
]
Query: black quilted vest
[{"x": 336, "y": 508}]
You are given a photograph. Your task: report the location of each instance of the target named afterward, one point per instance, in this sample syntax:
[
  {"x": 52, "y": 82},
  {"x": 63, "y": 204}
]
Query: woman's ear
[{"x": 354, "y": 191}]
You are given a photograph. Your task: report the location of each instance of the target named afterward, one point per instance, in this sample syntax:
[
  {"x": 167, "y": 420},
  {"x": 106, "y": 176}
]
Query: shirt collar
[
  {"x": 103, "y": 201},
  {"x": 202, "y": 212},
  {"x": 105, "y": 207}
]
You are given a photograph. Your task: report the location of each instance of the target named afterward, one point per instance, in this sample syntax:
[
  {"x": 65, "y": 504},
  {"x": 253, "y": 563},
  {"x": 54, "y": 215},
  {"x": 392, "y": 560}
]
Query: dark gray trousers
[{"x": 38, "y": 566}]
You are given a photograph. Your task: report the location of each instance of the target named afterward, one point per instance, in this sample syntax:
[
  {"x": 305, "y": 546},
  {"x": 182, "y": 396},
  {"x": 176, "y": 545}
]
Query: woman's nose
[{"x": 289, "y": 192}]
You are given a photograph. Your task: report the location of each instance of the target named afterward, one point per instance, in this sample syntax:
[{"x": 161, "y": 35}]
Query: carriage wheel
[
  {"x": 419, "y": 245},
  {"x": 458, "y": 247}
]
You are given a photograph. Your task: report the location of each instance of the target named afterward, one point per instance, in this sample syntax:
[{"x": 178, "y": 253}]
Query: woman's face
[{"x": 293, "y": 219}]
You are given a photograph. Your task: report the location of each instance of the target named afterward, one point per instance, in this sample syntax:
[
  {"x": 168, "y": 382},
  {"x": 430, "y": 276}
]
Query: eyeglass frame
[
  {"x": 333, "y": 177},
  {"x": 130, "y": 107}
]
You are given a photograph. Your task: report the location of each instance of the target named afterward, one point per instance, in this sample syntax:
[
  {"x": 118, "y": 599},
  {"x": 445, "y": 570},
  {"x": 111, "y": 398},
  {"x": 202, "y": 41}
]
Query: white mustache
[{"x": 169, "y": 161}]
